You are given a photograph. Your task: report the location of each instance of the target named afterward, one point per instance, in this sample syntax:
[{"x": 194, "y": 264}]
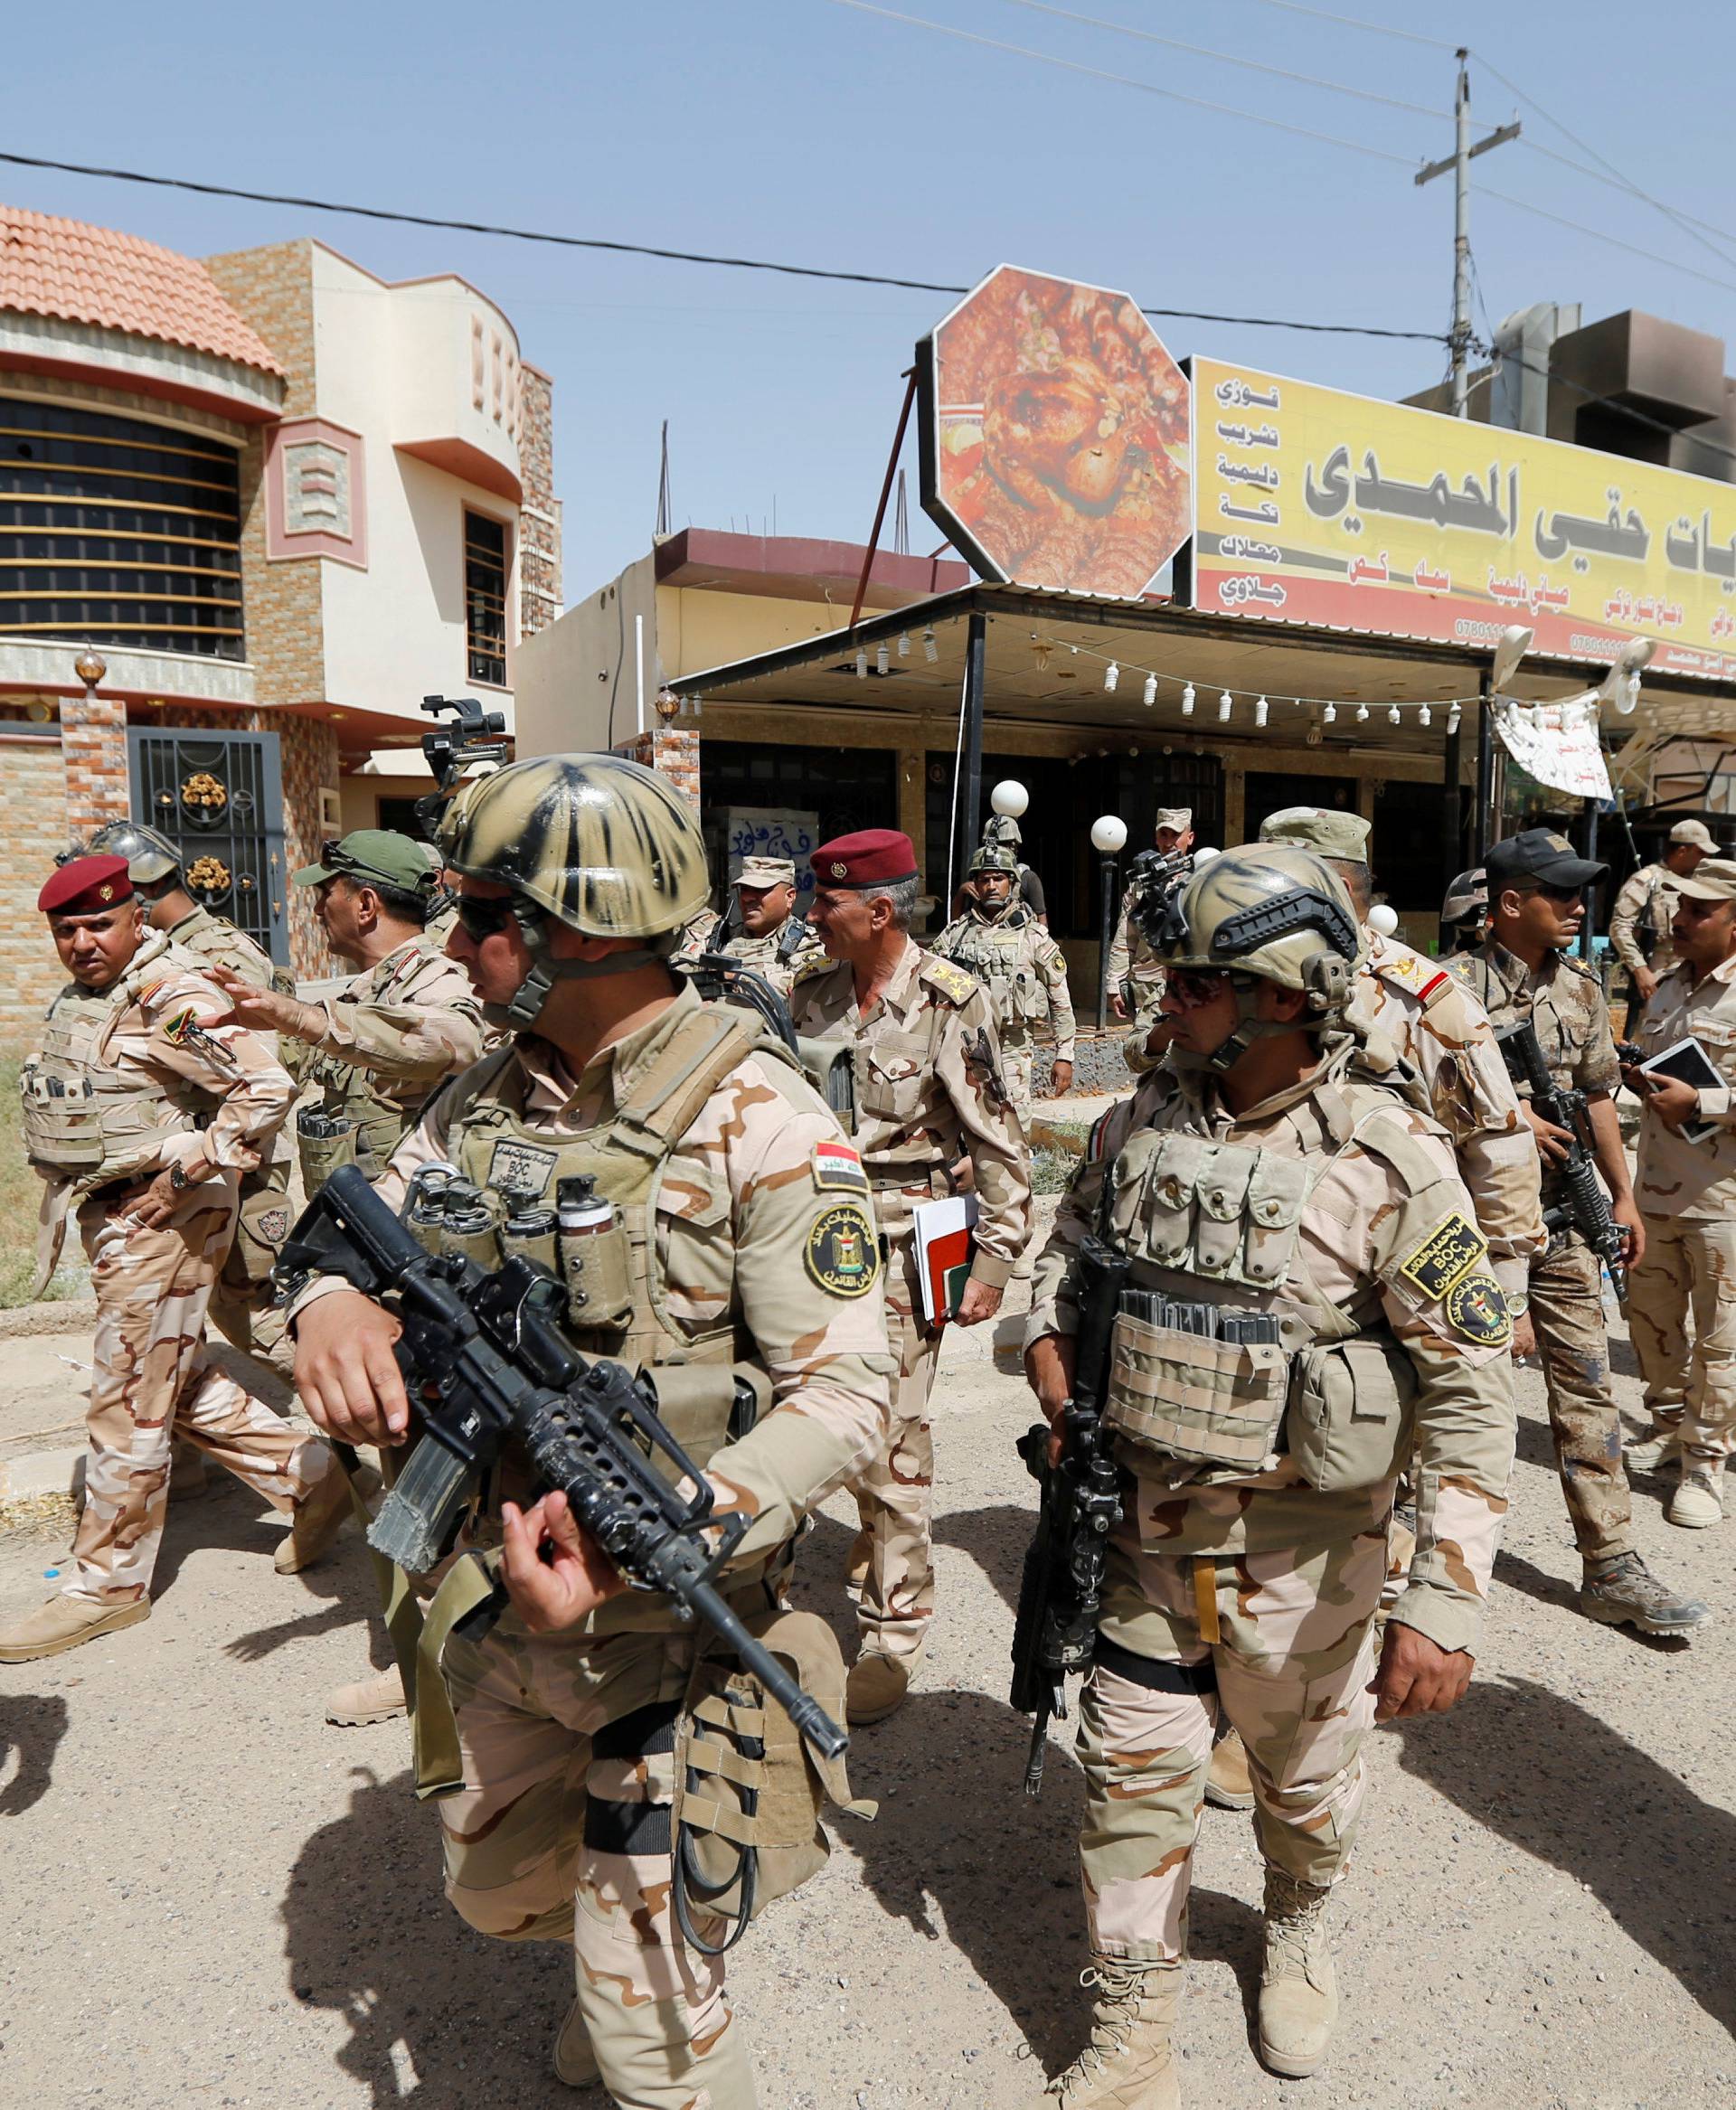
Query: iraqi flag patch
[{"x": 837, "y": 1167}]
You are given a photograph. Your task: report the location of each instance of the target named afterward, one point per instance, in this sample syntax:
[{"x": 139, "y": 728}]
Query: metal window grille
[
  {"x": 485, "y": 598},
  {"x": 219, "y": 797}
]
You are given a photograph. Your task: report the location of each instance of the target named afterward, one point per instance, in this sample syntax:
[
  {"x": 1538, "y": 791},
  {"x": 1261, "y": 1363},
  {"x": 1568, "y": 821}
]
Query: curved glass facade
[{"x": 115, "y": 532}]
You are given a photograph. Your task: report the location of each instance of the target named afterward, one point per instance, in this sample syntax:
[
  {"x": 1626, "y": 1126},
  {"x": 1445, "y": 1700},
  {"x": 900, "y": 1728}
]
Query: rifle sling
[{"x": 1153, "y": 1675}]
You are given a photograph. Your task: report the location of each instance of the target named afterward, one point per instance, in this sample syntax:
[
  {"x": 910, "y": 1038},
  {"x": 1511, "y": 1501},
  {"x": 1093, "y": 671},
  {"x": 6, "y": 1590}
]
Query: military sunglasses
[{"x": 481, "y": 918}]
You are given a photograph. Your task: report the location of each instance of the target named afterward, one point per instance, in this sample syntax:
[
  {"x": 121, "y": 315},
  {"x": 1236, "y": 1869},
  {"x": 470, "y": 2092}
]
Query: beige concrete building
[{"x": 281, "y": 500}]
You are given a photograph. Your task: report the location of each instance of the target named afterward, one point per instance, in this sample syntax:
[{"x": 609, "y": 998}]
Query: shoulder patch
[
  {"x": 1445, "y": 1258},
  {"x": 1410, "y": 971},
  {"x": 843, "y": 1253},
  {"x": 1583, "y": 968},
  {"x": 817, "y": 964},
  {"x": 950, "y": 980},
  {"x": 1479, "y": 1311},
  {"x": 838, "y": 1165}
]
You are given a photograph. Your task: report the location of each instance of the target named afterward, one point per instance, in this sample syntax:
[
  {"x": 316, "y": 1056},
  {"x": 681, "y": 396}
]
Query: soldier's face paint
[
  {"x": 765, "y": 909},
  {"x": 96, "y": 950}
]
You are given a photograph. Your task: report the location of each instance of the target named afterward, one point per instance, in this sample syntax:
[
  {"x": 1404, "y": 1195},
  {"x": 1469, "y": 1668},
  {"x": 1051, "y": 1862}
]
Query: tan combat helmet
[
  {"x": 1273, "y": 912},
  {"x": 600, "y": 844},
  {"x": 150, "y": 857}
]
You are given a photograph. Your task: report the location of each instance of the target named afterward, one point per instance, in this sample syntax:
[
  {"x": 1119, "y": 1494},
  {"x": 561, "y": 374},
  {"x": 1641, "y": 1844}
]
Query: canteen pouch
[
  {"x": 1351, "y": 1413},
  {"x": 1193, "y": 1397},
  {"x": 749, "y": 1791},
  {"x": 61, "y": 1128}
]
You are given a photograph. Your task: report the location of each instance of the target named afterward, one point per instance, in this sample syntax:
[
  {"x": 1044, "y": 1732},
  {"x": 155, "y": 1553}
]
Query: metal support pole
[
  {"x": 1462, "y": 243},
  {"x": 1591, "y": 858},
  {"x": 1106, "y": 938},
  {"x": 1483, "y": 820},
  {"x": 975, "y": 659},
  {"x": 1452, "y": 811}
]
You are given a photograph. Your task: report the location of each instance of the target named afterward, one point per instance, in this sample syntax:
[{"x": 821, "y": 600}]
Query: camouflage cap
[
  {"x": 1714, "y": 880},
  {"x": 1468, "y": 895},
  {"x": 609, "y": 848},
  {"x": 150, "y": 856},
  {"x": 767, "y": 871},
  {"x": 1179, "y": 817},
  {"x": 1693, "y": 831},
  {"x": 1325, "y": 830}
]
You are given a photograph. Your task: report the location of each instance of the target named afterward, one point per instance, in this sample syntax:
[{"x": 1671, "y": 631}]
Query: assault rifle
[
  {"x": 487, "y": 1367},
  {"x": 1062, "y": 1587},
  {"x": 1584, "y": 1206}
]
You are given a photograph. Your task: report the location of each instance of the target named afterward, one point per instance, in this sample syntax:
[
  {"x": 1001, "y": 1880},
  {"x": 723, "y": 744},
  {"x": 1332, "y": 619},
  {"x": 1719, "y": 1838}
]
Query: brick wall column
[
  {"x": 673, "y": 752},
  {"x": 93, "y": 744}
]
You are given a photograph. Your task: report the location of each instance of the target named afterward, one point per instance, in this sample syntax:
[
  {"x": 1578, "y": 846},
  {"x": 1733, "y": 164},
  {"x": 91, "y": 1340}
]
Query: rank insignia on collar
[
  {"x": 843, "y": 1254},
  {"x": 1445, "y": 1257}
]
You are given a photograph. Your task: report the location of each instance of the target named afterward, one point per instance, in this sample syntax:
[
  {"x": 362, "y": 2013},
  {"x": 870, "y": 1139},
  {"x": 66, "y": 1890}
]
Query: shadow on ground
[
  {"x": 32, "y": 1726},
  {"x": 1544, "y": 1774}
]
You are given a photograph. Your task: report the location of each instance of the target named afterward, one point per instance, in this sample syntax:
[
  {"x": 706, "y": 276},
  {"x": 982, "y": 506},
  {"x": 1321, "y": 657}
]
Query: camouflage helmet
[
  {"x": 1466, "y": 896},
  {"x": 1271, "y": 912},
  {"x": 609, "y": 848},
  {"x": 150, "y": 856},
  {"x": 991, "y": 856}
]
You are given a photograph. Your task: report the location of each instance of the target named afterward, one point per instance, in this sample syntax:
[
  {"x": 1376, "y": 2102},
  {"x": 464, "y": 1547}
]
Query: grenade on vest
[{"x": 596, "y": 1255}]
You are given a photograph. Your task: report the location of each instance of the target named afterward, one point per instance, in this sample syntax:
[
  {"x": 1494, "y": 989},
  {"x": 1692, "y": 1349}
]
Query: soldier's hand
[
  {"x": 1552, "y": 1143},
  {"x": 157, "y": 1204},
  {"x": 978, "y": 1302},
  {"x": 263, "y": 1010},
  {"x": 1625, "y": 1213},
  {"x": 1524, "y": 1335},
  {"x": 555, "y": 1572},
  {"x": 1062, "y": 1080},
  {"x": 1417, "y": 1676},
  {"x": 1163, "y": 1032},
  {"x": 1671, "y": 1100},
  {"x": 1118, "y": 1004},
  {"x": 346, "y": 1372},
  {"x": 1646, "y": 982},
  {"x": 1049, "y": 1369}
]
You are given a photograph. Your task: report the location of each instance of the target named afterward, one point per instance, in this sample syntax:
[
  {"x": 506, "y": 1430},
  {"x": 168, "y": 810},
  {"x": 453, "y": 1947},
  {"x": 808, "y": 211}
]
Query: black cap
[{"x": 1540, "y": 853}]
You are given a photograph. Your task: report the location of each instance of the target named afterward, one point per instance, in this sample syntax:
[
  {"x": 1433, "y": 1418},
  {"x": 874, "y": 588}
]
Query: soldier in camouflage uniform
[
  {"x": 932, "y": 1117},
  {"x": 740, "y": 1241},
  {"x": 242, "y": 1305},
  {"x": 383, "y": 1045},
  {"x": 1021, "y": 966},
  {"x": 1135, "y": 976},
  {"x": 1640, "y": 919},
  {"x": 773, "y": 940},
  {"x": 1267, "y": 1168},
  {"x": 1524, "y": 970},
  {"x": 141, "y": 1110},
  {"x": 1686, "y": 1192}
]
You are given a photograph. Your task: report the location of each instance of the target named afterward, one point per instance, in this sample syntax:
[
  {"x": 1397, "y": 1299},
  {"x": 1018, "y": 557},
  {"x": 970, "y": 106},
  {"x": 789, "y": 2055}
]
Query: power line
[
  {"x": 1614, "y": 241},
  {"x": 1198, "y": 102},
  {"x": 634, "y": 248},
  {"x": 1145, "y": 36},
  {"x": 1584, "y": 168},
  {"x": 1383, "y": 29}
]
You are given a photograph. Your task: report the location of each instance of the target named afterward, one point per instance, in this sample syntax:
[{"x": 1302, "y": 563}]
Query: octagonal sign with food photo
[{"x": 1055, "y": 434}]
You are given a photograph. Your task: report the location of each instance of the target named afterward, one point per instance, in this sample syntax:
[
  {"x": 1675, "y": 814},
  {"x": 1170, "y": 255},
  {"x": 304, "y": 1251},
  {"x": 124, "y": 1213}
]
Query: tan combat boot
[
  {"x": 368, "y": 1699},
  {"x": 575, "y": 2062},
  {"x": 319, "y": 1517},
  {"x": 877, "y": 1686},
  {"x": 1298, "y": 1997},
  {"x": 1228, "y": 1783},
  {"x": 66, "y": 1623},
  {"x": 1129, "y": 2063},
  {"x": 1699, "y": 1498},
  {"x": 1659, "y": 1446}
]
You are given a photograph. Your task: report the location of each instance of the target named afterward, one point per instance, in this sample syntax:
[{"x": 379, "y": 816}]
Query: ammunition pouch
[
  {"x": 324, "y": 1142},
  {"x": 1351, "y": 1419},
  {"x": 1196, "y": 1395},
  {"x": 749, "y": 1791}
]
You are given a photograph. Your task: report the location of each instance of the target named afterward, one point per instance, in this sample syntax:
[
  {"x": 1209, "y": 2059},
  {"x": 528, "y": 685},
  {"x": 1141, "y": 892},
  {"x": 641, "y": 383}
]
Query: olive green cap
[{"x": 372, "y": 853}]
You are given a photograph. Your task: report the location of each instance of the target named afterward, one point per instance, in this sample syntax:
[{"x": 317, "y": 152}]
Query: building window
[
  {"x": 114, "y": 532},
  {"x": 485, "y": 598}
]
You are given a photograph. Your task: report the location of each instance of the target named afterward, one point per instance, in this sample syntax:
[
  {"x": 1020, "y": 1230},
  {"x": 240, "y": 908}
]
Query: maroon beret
[
  {"x": 86, "y": 886},
  {"x": 871, "y": 857}
]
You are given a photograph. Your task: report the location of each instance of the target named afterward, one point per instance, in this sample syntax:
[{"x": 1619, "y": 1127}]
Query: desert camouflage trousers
[
  {"x": 1284, "y": 1644},
  {"x": 153, "y": 1383},
  {"x": 561, "y": 1834},
  {"x": 243, "y": 1307},
  {"x": 1573, "y": 1346},
  {"x": 1018, "y": 1074},
  {"x": 1689, "y": 1268},
  {"x": 891, "y": 1563}
]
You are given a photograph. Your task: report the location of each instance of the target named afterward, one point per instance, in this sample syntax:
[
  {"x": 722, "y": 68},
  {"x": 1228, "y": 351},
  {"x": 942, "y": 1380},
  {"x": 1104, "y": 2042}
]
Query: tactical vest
[
  {"x": 83, "y": 1117},
  {"x": 355, "y": 1122},
  {"x": 1217, "y": 1362},
  {"x": 211, "y": 939},
  {"x": 1017, "y": 994},
  {"x": 618, "y": 1304}
]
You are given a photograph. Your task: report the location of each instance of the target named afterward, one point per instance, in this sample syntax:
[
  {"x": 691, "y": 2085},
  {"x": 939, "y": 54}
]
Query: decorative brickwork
[
  {"x": 93, "y": 743},
  {"x": 673, "y": 752},
  {"x": 539, "y": 525},
  {"x": 310, "y": 765},
  {"x": 32, "y": 828}
]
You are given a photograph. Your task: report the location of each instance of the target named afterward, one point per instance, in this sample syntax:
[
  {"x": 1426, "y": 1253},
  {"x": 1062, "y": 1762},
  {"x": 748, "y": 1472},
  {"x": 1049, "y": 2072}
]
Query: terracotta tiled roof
[{"x": 81, "y": 274}]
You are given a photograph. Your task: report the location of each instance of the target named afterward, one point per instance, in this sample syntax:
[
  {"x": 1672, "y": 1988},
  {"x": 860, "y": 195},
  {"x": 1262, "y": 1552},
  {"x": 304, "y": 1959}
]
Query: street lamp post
[{"x": 1108, "y": 835}]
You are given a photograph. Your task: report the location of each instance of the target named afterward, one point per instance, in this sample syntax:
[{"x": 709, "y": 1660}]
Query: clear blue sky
[{"x": 800, "y": 129}]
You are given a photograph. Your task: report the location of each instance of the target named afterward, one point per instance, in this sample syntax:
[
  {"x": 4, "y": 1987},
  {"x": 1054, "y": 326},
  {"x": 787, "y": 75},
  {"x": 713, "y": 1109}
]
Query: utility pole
[{"x": 1459, "y": 161}]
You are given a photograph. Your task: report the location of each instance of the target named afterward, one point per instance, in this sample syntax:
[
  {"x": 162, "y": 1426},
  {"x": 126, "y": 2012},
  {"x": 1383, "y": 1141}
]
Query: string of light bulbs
[{"x": 1329, "y": 706}]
